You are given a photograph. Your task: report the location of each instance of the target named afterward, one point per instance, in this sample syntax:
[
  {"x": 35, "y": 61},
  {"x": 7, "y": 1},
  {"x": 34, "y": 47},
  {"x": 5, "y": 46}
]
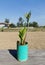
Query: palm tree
[
  {"x": 7, "y": 22},
  {"x": 21, "y": 21}
]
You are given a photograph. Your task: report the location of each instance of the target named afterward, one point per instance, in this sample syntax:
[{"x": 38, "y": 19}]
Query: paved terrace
[{"x": 8, "y": 57}]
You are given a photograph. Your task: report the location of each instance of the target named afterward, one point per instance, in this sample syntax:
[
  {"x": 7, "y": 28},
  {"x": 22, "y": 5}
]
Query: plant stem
[{"x": 26, "y": 32}]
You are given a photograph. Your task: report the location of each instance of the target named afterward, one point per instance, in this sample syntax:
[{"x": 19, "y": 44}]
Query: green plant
[
  {"x": 28, "y": 15},
  {"x": 22, "y": 34}
]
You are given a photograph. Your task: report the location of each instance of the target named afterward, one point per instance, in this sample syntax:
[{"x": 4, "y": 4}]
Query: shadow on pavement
[{"x": 13, "y": 52}]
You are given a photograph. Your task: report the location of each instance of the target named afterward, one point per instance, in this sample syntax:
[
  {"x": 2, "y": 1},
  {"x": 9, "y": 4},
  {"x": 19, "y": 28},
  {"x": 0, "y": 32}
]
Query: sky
[{"x": 13, "y": 9}]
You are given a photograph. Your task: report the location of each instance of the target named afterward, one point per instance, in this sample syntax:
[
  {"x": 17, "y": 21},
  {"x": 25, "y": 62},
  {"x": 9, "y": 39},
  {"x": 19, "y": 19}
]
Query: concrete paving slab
[{"x": 8, "y": 57}]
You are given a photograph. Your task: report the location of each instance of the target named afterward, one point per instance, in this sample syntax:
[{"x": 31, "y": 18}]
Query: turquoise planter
[{"x": 22, "y": 52}]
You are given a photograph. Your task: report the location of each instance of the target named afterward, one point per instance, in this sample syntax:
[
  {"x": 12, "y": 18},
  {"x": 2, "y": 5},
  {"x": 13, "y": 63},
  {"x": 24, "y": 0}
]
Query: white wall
[{"x": 2, "y": 25}]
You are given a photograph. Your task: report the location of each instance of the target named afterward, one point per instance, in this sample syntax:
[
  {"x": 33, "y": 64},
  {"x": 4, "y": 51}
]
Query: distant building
[
  {"x": 31, "y": 27},
  {"x": 4, "y": 25}
]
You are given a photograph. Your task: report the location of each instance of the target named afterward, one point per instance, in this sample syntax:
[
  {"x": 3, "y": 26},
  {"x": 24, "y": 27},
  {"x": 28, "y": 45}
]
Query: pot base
[{"x": 22, "y": 60}]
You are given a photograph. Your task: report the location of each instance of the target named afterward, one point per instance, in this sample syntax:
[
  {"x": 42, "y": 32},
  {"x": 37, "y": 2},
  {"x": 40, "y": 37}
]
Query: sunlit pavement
[{"x": 36, "y": 57}]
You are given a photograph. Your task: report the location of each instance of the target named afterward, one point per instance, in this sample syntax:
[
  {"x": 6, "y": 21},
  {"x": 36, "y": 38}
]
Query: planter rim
[{"x": 26, "y": 43}]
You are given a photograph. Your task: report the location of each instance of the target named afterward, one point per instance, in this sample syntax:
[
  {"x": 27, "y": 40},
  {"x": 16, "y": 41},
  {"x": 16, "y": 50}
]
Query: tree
[
  {"x": 20, "y": 23},
  {"x": 30, "y": 24},
  {"x": 12, "y": 25},
  {"x": 7, "y": 22},
  {"x": 35, "y": 24}
]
